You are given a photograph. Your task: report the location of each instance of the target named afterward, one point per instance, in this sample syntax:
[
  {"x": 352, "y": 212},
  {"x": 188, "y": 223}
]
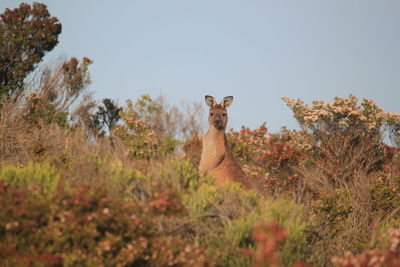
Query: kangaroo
[{"x": 216, "y": 157}]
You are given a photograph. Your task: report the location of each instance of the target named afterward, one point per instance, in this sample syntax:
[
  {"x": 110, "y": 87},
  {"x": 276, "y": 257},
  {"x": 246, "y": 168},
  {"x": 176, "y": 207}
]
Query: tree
[
  {"x": 56, "y": 91},
  {"x": 26, "y": 34},
  {"x": 106, "y": 116},
  {"x": 345, "y": 138}
]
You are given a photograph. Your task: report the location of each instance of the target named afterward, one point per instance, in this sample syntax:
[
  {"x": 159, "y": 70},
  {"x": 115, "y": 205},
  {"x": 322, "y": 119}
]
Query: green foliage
[
  {"x": 41, "y": 109},
  {"x": 228, "y": 215},
  {"x": 28, "y": 32},
  {"x": 385, "y": 196},
  {"x": 333, "y": 215},
  {"x": 238, "y": 231},
  {"x": 333, "y": 208},
  {"x": 122, "y": 180},
  {"x": 237, "y": 210},
  {"x": 168, "y": 146},
  {"x": 149, "y": 128},
  {"x": 137, "y": 134},
  {"x": 201, "y": 201},
  {"x": 188, "y": 175},
  {"x": 146, "y": 107},
  {"x": 39, "y": 175},
  {"x": 290, "y": 216}
]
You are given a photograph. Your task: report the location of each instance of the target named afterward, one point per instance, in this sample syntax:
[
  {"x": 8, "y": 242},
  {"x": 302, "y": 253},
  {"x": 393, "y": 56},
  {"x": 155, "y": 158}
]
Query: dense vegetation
[{"x": 89, "y": 184}]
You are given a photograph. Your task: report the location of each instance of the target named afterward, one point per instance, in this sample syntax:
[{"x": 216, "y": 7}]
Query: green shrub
[
  {"x": 201, "y": 201},
  {"x": 182, "y": 174},
  {"x": 121, "y": 180},
  {"x": 290, "y": 216},
  {"x": 40, "y": 175},
  {"x": 333, "y": 216},
  {"x": 233, "y": 212},
  {"x": 335, "y": 207},
  {"x": 221, "y": 219},
  {"x": 385, "y": 196}
]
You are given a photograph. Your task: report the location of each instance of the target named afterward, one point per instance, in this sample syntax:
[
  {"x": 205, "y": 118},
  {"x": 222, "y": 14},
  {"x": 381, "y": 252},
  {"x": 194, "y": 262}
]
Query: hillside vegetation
[{"x": 98, "y": 184}]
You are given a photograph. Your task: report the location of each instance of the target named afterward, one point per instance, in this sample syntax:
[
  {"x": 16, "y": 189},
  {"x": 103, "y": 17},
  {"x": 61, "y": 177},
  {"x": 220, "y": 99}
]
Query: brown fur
[{"x": 216, "y": 157}]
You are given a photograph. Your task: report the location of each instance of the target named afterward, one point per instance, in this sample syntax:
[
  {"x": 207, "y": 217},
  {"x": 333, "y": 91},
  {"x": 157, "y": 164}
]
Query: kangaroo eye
[
  {"x": 223, "y": 114},
  {"x": 212, "y": 114}
]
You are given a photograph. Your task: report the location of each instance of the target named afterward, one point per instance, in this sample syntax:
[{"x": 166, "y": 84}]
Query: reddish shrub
[
  {"x": 271, "y": 156},
  {"x": 267, "y": 238},
  {"x": 86, "y": 227}
]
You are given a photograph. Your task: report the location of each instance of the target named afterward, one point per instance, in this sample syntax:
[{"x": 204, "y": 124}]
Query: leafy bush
[
  {"x": 331, "y": 215},
  {"x": 267, "y": 238},
  {"x": 86, "y": 227},
  {"x": 136, "y": 133},
  {"x": 344, "y": 138},
  {"x": 221, "y": 219},
  {"x": 39, "y": 175},
  {"x": 385, "y": 194},
  {"x": 333, "y": 208},
  {"x": 290, "y": 216},
  {"x": 272, "y": 156}
]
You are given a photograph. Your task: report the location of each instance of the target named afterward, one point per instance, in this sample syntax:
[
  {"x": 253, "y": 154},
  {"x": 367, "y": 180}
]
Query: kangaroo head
[{"x": 217, "y": 116}]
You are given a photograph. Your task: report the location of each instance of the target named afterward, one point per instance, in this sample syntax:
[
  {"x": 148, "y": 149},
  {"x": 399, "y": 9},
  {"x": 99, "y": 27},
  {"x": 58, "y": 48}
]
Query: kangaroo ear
[
  {"x": 227, "y": 101},
  {"x": 210, "y": 101}
]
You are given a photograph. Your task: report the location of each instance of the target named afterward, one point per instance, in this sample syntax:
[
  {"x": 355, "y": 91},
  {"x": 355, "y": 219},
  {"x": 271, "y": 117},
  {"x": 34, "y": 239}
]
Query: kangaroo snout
[{"x": 219, "y": 124}]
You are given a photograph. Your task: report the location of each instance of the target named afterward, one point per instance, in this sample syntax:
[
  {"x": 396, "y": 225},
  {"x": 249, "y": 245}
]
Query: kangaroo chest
[{"x": 213, "y": 152}]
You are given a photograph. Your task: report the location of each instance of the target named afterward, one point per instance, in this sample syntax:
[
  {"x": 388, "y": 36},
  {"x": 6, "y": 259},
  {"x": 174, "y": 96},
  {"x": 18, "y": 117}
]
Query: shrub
[
  {"x": 226, "y": 216},
  {"x": 332, "y": 209},
  {"x": 267, "y": 237},
  {"x": 51, "y": 94},
  {"x": 86, "y": 227},
  {"x": 122, "y": 180},
  {"x": 39, "y": 175},
  {"x": 290, "y": 216},
  {"x": 272, "y": 156},
  {"x": 221, "y": 219},
  {"x": 389, "y": 257},
  {"x": 345, "y": 138},
  {"x": 137, "y": 134},
  {"x": 385, "y": 196}
]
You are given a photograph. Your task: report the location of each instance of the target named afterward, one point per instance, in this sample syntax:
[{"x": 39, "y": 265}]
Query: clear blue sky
[{"x": 256, "y": 51}]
